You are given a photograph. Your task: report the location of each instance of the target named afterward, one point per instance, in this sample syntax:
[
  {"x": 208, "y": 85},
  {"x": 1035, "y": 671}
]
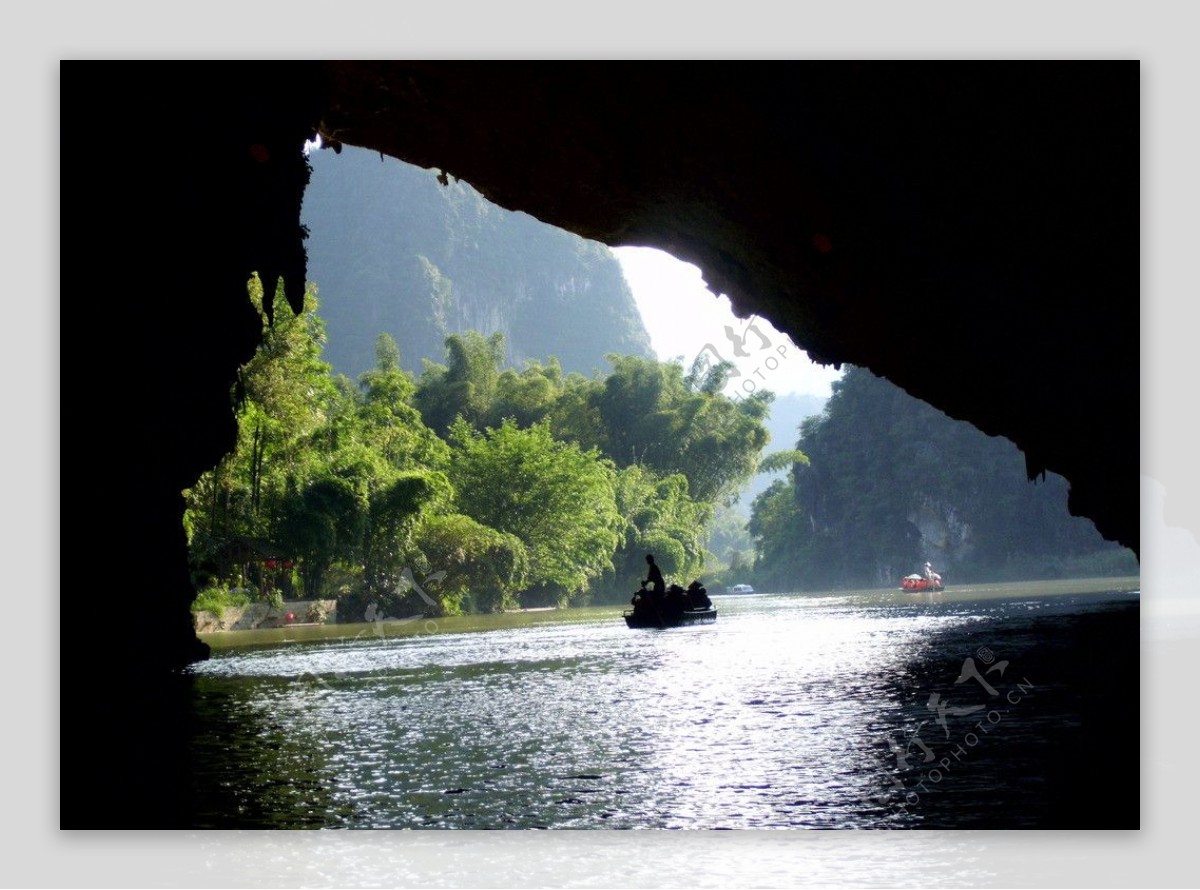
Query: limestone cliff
[{"x": 391, "y": 249}]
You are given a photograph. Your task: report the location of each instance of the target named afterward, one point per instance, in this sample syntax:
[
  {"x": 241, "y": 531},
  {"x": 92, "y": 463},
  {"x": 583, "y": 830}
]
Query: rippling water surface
[{"x": 998, "y": 707}]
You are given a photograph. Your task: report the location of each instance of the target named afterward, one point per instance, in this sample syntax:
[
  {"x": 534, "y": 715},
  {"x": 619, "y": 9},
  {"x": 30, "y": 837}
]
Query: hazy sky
[{"x": 682, "y": 316}]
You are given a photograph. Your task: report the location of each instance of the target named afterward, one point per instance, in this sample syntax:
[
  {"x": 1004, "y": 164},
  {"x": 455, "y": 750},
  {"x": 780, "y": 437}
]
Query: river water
[{"x": 1012, "y": 706}]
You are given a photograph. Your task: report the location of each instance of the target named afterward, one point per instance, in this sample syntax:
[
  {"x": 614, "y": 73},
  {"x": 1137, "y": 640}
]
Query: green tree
[
  {"x": 575, "y": 416},
  {"x": 658, "y": 516},
  {"x": 285, "y": 388},
  {"x": 479, "y": 568},
  {"x": 323, "y": 522},
  {"x": 387, "y": 419},
  {"x": 646, "y": 412},
  {"x": 387, "y": 383},
  {"x": 284, "y": 394},
  {"x": 397, "y": 504},
  {"x": 527, "y": 397},
  {"x": 555, "y": 497},
  {"x": 783, "y": 547},
  {"x": 465, "y": 385}
]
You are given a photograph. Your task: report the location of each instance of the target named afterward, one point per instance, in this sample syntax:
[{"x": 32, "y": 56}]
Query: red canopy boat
[{"x": 917, "y": 583}]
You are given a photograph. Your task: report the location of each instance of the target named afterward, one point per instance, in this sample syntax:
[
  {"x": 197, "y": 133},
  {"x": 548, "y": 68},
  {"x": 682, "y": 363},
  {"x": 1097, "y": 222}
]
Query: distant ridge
[{"x": 391, "y": 249}]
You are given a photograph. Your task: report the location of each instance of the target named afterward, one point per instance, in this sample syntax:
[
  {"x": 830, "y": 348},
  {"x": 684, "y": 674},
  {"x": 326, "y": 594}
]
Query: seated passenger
[
  {"x": 676, "y": 600},
  {"x": 698, "y": 596}
]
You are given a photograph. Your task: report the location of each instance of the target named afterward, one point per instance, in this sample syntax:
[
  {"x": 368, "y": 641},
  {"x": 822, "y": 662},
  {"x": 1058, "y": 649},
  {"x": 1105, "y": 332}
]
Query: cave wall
[
  {"x": 968, "y": 231},
  {"x": 177, "y": 183}
]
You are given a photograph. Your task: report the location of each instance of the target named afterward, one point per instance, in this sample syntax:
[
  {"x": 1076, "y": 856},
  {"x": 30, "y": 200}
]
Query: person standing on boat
[
  {"x": 931, "y": 576},
  {"x": 655, "y": 576}
]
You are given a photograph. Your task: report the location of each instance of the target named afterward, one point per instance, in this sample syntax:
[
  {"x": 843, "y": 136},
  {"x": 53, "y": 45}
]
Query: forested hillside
[
  {"x": 891, "y": 482},
  {"x": 474, "y": 487},
  {"x": 392, "y": 250}
]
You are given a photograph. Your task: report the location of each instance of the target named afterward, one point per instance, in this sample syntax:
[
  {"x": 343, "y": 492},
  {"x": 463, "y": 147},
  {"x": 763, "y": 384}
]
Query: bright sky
[{"x": 683, "y": 316}]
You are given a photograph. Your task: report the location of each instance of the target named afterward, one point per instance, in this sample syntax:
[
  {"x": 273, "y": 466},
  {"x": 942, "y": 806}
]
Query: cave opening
[
  {"x": 395, "y": 251},
  {"x": 897, "y": 207}
]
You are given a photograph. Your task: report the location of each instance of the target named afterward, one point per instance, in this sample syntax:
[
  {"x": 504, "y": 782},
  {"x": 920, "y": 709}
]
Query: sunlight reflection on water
[{"x": 776, "y": 716}]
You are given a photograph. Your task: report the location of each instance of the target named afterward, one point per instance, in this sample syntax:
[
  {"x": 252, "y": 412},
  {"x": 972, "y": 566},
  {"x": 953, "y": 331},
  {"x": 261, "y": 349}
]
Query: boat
[
  {"x": 916, "y": 583},
  {"x": 674, "y": 608},
  {"x": 669, "y": 617},
  {"x": 741, "y": 588}
]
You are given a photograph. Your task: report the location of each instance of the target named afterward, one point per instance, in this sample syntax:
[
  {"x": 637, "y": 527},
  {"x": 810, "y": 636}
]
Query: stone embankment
[{"x": 259, "y": 615}]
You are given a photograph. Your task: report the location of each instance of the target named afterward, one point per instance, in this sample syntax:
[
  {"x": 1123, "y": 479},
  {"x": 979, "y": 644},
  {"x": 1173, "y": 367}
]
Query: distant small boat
[{"x": 741, "y": 588}]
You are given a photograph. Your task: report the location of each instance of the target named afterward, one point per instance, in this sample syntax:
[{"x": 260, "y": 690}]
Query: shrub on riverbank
[{"x": 218, "y": 599}]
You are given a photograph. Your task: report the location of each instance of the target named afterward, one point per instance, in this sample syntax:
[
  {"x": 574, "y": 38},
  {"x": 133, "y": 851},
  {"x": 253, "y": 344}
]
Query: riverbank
[
  {"x": 389, "y": 628},
  {"x": 257, "y": 616},
  {"x": 415, "y": 627}
]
